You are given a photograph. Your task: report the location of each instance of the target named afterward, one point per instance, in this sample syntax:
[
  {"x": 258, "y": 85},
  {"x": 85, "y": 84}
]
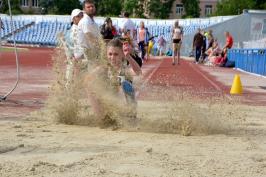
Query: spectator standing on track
[
  {"x": 108, "y": 31},
  {"x": 76, "y": 16},
  {"x": 205, "y": 45},
  {"x": 161, "y": 45},
  {"x": 198, "y": 45},
  {"x": 142, "y": 39},
  {"x": 177, "y": 36},
  {"x": 1, "y": 24},
  {"x": 74, "y": 46},
  {"x": 1, "y": 28},
  {"x": 88, "y": 29},
  {"x": 129, "y": 26},
  {"x": 210, "y": 39},
  {"x": 150, "y": 46}
]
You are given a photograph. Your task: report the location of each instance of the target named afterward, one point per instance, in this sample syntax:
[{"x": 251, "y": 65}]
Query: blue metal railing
[{"x": 250, "y": 60}]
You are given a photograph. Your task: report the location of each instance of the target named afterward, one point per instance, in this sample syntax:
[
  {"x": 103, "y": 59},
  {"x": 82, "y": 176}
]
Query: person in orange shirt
[{"x": 142, "y": 38}]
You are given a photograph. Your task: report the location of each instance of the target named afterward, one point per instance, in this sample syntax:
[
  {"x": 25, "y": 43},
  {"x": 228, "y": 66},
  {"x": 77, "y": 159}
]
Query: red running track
[
  {"x": 34, "y": 57},
  {"x": 160, "y": 78},
  {"x": 35, "y": 77},
  {"x": 184, "y": 78}
]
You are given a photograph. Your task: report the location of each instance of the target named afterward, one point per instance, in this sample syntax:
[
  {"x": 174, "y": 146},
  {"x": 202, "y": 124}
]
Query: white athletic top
[
  {"x": 87, "y": 25},
  {"x": 177, "y": 33}
]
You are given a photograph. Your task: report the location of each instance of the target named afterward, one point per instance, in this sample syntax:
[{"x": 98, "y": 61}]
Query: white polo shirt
[
  {"x": 129, "y": 25},
  {"x": 87, "y": 25}
]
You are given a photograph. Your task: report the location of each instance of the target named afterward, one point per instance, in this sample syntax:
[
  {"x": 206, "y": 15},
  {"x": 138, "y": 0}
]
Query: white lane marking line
[
  {"x": 149, "y": 77},
  {"x": 210, "y": 81}
]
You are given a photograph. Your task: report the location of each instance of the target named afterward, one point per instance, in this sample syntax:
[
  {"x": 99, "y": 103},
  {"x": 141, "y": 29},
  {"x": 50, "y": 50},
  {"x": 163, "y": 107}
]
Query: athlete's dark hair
[{"x": 115, "y": 43}]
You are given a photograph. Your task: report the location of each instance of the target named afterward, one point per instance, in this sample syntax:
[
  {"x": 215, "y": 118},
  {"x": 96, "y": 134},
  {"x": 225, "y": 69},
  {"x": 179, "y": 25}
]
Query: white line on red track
[{"x": 147, "y": 79}]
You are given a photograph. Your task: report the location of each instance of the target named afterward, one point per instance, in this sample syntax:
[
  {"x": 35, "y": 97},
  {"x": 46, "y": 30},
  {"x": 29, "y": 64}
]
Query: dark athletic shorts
[{"x": 176, "y": 41}]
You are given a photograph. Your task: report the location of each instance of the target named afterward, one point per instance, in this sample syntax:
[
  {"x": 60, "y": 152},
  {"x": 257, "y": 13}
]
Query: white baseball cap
[{"x": 75, "y": 13}]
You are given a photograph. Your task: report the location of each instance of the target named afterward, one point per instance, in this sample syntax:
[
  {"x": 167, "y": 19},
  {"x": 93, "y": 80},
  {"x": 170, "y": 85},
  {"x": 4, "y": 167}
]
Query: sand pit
[{"x": 41, "y": 147}]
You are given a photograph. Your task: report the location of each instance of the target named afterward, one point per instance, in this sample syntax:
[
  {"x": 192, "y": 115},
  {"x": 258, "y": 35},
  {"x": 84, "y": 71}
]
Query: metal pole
[{"x": 16, "y": 54}]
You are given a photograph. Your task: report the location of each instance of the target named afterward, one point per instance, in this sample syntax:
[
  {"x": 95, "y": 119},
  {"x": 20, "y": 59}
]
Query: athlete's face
[
  {"x": 89, "y": 9},
  {"x": 115, "y": 56}
]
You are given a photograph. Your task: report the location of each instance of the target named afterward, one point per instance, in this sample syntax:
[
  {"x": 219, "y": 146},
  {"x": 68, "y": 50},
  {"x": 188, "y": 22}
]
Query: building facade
[
  {"x": 207, "y": 8},
  {"x": 30, "y": 6}
]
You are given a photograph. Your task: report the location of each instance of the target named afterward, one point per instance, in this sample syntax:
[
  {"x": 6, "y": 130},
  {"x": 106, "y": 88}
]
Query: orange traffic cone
[{"x": 236, "y": 86}]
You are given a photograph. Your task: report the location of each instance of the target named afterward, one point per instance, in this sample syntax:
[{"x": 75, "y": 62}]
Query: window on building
[
  {"x": 208, "y": 10},
  {"x": 24, "y": 2},
  {"x": 35, "y": 3},
  {"x": 179, "y": 9}
]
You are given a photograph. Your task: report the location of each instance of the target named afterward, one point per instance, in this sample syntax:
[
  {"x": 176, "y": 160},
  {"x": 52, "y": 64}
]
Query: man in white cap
[
  {"x": 76, "y": 52},
  {"x": 76, "y": 16}
]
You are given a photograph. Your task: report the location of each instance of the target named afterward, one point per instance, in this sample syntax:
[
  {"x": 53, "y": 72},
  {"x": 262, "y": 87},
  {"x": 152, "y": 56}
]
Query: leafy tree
[
  {"x": 160, "y": 9},
  {"x": 233, "y": 7},
  {"x": 15, "y": 7},
  {"x": 260, "y": 4},
  {"x": 192, "y": 8},
  {"x": 109, "y": 7},
  {"x": 60, "y": 7},
  {"x": 139, "y": 11},
  {"x": 134, "y": 7},
  {"x": 130, "y": 6}
]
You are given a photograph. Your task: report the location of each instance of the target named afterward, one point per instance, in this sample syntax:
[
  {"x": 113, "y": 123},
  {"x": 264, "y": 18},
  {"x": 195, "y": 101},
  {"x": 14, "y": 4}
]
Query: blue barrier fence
[{"x": 250, "y": 60}]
